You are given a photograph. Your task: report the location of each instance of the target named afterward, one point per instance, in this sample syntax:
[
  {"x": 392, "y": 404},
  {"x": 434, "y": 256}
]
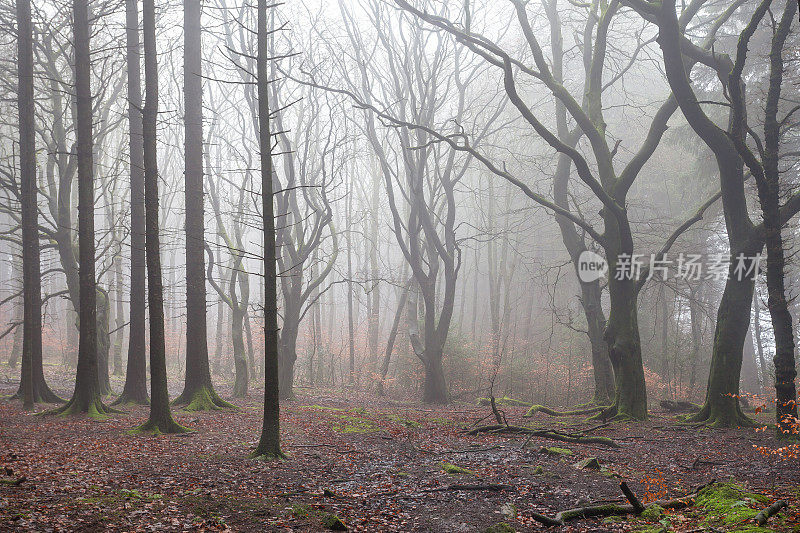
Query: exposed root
[
  {"x": 202, "y": 399},
  {"x": 129, "y": 399},
  {"x": 721, "y": 420}
]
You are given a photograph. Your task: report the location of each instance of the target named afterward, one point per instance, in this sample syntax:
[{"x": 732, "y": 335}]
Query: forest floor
[{"x": 376, "y": 464}]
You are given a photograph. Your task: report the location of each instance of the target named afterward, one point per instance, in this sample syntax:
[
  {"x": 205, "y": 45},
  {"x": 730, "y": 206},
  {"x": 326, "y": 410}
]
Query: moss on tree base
[
  {"x": 164, "y": 427},
  {"x": 202, "y": 399},
  {"x": 94, "y": 408}
]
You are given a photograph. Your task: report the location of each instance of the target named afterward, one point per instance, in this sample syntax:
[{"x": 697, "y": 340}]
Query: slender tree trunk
[
  {"x": 160, "y": 419},
  {"x": 135, "y": 389},
  {"x": 762, "y": 364},
  {"x": 120, "y": 318},
  {"x": 269, "y": 442},
  {"x": 350, "y": 318},
  {"x": 198, "y": 393},
  {"x": 398, "y": 315}
]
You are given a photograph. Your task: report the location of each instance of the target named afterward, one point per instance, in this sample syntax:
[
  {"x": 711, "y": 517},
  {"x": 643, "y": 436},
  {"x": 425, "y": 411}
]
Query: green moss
[
  {"x": 728, "y": 504},
  {"x": 301, "y": 510},
  {"x": 505, "y": 400},
  {"x": 554, "y": 450},
  {"x": 453, "y": 469},
  {"x": 500, "y": 527},
  {"x": 354, "y": 424},
  {"x": 205, "y": 399},
  {"x": 333, "y": 522},
  {"x": 653, "y": 513},
  {"x": 407, "y": 422}
]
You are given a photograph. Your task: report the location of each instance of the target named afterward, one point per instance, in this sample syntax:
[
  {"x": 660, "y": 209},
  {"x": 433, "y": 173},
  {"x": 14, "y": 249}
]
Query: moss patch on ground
[
  {"x": 729, "y": 505},
  {"x": 453, "y": 469}
]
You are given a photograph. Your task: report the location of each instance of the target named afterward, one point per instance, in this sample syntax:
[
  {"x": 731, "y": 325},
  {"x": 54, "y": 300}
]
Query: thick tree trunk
[
  {"x": 721, "y": 407},
  {"x": 135, "y": 389},
  {"x": 434, "y": 388},
  {"x": 625, "y": 351},
  {"x": 604, "y": 388},
  {"x": 198, "y": 392},
  {"x": 269, "y": 442},
  {"x": 160, "y": 420}
]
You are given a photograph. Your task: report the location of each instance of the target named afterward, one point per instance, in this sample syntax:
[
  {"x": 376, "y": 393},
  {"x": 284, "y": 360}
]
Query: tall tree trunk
[
  {"x": 269, "y": 441},
  {"x": 33, "y": 387},
  {"x": 31, "y": 277},
  {"x": 135, "y": 389},
  {"x": 86, "y": 397},
  {"x": 198, "y": 393},
  {"x": 160, "y": 419}
]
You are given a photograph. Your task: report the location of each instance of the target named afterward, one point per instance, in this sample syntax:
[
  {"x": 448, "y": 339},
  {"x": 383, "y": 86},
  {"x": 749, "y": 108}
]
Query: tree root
[
  {"x": 551, "y": 434},
  {"x": 706, "y": 417},
  {"x": 203, "y": 398},
  {"x": 94, "y": 409},
  {"x": 552, "y": 412},
  {"x": 129, "y": 399}
]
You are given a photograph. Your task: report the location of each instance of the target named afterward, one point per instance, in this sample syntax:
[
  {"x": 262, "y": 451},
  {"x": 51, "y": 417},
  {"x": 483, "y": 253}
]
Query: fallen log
[
  {"x": 551, "y": 434},
  {"x": 762, "y": 517},
  {"x": 552, "y": 412}
]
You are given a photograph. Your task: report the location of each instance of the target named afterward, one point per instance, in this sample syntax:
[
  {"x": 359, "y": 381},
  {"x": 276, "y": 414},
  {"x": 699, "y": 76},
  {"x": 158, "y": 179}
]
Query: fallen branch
[
  {"x": 461, "y": 486},
  {"x": 767, "y": 513},
  {"x": 14, "y": 482},
  {"x": 614, "y": 509},
  {"x": 637, "y": 505}
]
